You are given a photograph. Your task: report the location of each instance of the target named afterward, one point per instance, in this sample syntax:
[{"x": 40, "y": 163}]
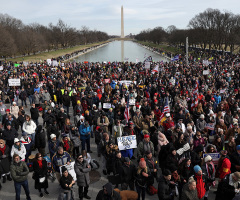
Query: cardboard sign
[
  {"x": 14, "y": 82},
  {"x": 70, "y": 169},
  {"x": 127, "y": 142},
  {"x": 215, "y": 157},
  {"x": 132, "y": 102},
  {"x": 107, "y": 105}
]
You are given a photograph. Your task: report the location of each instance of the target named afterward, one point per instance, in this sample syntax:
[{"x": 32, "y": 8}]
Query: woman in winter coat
[
  {"x": 40, "y": 140},
  {"x": 189, "y": 190},
  {"x": 162, "y": 140},
  {"x": 29, "y": 127},
  {"x": 40, "y": 174},
  {"x": 82, "y": 169},
  {"x": 19, "y": 149},
  {"x": 27, "y": 142},
  {"x": 36, "y": 98},
  {"x": 75, "y": 138},
  {"x": 5, "y": 161},
  {"x": 186, "y": 170},
  {"x": 111, "y": 150},
  {"x": 14, "y": 109}
]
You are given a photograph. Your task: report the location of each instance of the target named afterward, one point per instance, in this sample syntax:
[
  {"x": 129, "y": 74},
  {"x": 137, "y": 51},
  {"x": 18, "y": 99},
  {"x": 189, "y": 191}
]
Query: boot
[
  {"x": 9, "y": 177},
  {"x": 4, "y": 179},
  {"x": 87, "y": 197},
  {"x": 0, "y": 186}
]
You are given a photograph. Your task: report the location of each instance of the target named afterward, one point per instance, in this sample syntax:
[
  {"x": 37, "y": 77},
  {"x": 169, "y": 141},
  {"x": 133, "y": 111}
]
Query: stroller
[{"x": 50, "y": 173}]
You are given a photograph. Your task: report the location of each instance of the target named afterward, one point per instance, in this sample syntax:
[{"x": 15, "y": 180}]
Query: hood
[{"x": 109, "y": 188}]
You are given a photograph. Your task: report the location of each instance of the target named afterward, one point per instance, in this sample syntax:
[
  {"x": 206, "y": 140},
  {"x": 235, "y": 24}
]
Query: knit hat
[
  {"x": 126, "y": 159},
  {"x": 81, "y": 117},
  {"x": 142, "y": 163},
  {"x": 202, "y": 116},
  {"x": 16, "y": 140},
  {"x": 24, "y": 133},
  {"x": 86, "y": 112},
  {"x": 64, "y": 169},
  {"x": 7, "y": 110},
  {"x": 197, "y": 168},
  {"x": 220, "y": 130},
  {"x": 238, "y": 147},
  {"x": 237, "y": 175},
  {"x": 189, "y": 127},
  {"x": 207, "y": 158},
  {"x": 146, "y": 136},
  {"x": 52, "y": 136},
  {"x": 166, "y": 172},
  {"x": 168, "y": 115}
]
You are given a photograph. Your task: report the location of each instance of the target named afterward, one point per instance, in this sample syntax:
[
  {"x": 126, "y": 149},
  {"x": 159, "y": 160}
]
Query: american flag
[
  {"x": 195, "y": 96},
  {"x": 126, "y": 112},
  {"x": 166, "y": 109}
]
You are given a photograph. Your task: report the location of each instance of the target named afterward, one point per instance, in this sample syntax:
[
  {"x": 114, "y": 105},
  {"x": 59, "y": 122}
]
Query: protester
[
  {"x": 108, "y": 193},
  {"x": 4, "y": 161}
]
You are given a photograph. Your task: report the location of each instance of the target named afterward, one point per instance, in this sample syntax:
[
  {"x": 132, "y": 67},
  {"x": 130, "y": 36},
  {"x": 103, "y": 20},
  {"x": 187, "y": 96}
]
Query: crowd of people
[{"x": 181, "y": 116}]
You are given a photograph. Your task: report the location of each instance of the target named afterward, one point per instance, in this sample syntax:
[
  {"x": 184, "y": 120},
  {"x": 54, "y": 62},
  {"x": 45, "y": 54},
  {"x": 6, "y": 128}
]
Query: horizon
[{"x": 105, "y": 15}]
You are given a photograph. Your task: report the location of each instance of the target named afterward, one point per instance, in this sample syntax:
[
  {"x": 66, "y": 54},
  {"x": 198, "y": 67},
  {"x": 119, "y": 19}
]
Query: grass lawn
[{"x": 52, "y": 54}]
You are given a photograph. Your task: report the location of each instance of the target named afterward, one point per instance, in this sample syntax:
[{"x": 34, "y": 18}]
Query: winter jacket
[
  {"x": 66, "y": 99},
  {"x": 164, "y": 190},
  {"x": 27, "y": 143},
  {"x": 14, "y": 111},
  {"x": 74, "y": 136},
  {"x": 40, "y": 173},
  {"x": 200, "y": 125},
  {"x": 19, "y": 171},
  {"x": 29, "y": 127},
  {"x": 60, "y": 160},
  {"x": 189, "y": 194},
  {"x": 225, "y": 168},
  {"x": 21, "y": 152},
  {"x": 235, "y": 162},
  {"x": 9, "y": 135},
  {"x": 40, "y": 138},
  {"x": 141, "y": 151},
  {"x": 34, "y": 113},
  {"x": 82, "y": 172},
  {"x": 83, "y": 130},
  {"x": 111, "y": 194},
  {"x": 5, "y": 160},
  {"x": 53, "y": 146},
  {"x": 70, "y": 148},
  {"x": 100, "y": 123}
]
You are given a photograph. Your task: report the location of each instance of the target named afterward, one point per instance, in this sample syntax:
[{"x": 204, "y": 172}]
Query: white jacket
[
  {"x": 21, "y": 152},
  {"x": 29, "y": 128}
]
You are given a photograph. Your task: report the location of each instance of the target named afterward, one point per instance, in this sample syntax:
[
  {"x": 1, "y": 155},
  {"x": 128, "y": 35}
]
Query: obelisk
[{"x": 122, "y": 23}]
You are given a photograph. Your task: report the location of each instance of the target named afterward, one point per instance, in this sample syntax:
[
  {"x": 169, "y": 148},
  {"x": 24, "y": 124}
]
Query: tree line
[
  {"x": 20, "y": 39},
  {"x": 211, "y": 29}
]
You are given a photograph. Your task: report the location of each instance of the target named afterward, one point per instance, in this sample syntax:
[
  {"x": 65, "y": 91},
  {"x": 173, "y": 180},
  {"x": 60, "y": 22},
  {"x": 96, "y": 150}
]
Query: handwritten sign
[
  {"x": 210, "y": 126},
  {"x": 1, "y": 67},
  {"x": 70, "y": 169},
  {"x": 205, "y": 72},
  {"x": 107, "y": 105},
  {"x": 14, "y": 82},
  {"x": 132, "y": 102},
  {"x": 127, "y": 142},
  {"x": 147, "y": 65}
]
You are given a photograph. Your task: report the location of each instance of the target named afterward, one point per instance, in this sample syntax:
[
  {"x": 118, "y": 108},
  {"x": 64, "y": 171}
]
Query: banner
[
  {"x": 70, "y": 169},
  {"x": 148, "y": 59},
  {"x": 215, "y": 157},
  {"x": 127, "y": 142},
  {"x": 210, "y": 126},
  {"x": 127, "y": 83},
  {"x": 147, "y": 65},
  {"x": 14, "y": 82},
  {"x": 54, "y": 63},
  {"x": 205, "y": 72}
]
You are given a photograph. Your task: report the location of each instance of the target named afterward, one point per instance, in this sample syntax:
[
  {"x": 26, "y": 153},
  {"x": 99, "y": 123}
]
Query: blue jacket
[
  {"x": 113, "y": 84},
  {"x": 60, "y": 160},
  {"x": 52, "y": 148},
  {"x": 83, "y": 130},
  {"x": 37, "y": 89},
  {"x": 217, "y": 98}
]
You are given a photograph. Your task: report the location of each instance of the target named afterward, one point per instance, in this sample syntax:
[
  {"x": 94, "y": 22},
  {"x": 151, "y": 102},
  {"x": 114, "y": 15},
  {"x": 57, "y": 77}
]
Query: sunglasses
[
  {"x": 80, "y": 157},
  {"x": 1, "y": 143}
]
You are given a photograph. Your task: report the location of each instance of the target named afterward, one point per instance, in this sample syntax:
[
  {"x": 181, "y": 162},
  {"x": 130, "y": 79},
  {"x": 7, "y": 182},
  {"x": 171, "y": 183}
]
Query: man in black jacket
[
  {"x": 165, "y": 187},
  {"x": 108, "y": 193},
  {"x": 34, "y": 113},
  {"x": 235, "y": 160},
  {"x": 9, "y": 134}
]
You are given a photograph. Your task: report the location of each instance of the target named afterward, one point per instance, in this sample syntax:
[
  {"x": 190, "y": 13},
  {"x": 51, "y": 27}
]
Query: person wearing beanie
[
  {"x": 209, "y": 170},
  {"x": 201, "y": 123},
  {"x": 200, "y": 179},
  {"x": 108, "y": 193},
  {"x": 164, "y": 186},
  {"x": 141, "y": 178},
  {"x": 189, "y": 191},
  {"x": 144, "y": 146},
  {"x": 235, "y": 160},
  {"x": 172, "y": 159},
  {"x": 53, "y": 145},
  {"x": 229, "y": 187}
]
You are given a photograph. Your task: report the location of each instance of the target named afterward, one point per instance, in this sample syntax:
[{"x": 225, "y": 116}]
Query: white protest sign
[
  {"x": 210, "y": 126},
  {"x": 62, "y": 64},
  {"x": 1, "y": 67},
  {"x": 132, "y": 102},
  {"x": 107, "y": 105},
  {"x": 25, "y": 63},
  {"x": 70, "y": 169},
  {"x": 147, "y": 65},
  {"x": 54, "y": 63},
  {"x": 49, "y": 62},
  {"x": 127, "y": 83},
  {"x": 127, "y": 142},
  {"x": 14, "y": 82},
  {"x": 205, "y": 62},
  {"x": 205, "y": 72}
]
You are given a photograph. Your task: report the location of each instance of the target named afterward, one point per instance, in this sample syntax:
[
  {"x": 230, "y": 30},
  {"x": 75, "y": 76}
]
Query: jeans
[
  {"x": 18, "y": 185},
  {"x": 30, "y": 97},
  {"x": 140, "y": 190},
  {"x": 24, "y": 102},
  {"x": 36, "y": 121},
  {"x": 86, "y": 141}
]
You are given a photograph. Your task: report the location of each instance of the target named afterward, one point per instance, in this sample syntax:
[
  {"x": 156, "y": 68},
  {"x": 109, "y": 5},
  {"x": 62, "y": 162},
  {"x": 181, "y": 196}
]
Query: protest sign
[
  {"x": 205, "y": 72},
  {"x": 147, "y": 65},
  {"x": 49, "y": 62},
  {"x": 25, "y": 63},
  {"x": 16, "y": 65},
  {"x": 210, "y": 126},
  {"x": 14, "y": 82},
  {"x": 127, "y": 142},
  {"x": 54, "y": 63},
  {"x": 1, "y": 67},
  {"x": 70, "y": 169},
  {"x": 127, "y": 83},
  {"x": 107, "y": 80},
  {"x": 107, "y": 105},
  {"x": 215, "y": 157},
  {"x": 132, "y": 102}
]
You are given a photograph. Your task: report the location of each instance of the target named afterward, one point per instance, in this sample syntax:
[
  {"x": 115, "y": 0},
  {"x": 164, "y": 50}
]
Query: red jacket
[{"x": 225, "y": 168}]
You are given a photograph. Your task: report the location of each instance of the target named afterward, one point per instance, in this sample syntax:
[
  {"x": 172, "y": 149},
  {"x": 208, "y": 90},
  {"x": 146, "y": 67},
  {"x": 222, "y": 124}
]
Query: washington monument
[{"x": 122, "y": 23}]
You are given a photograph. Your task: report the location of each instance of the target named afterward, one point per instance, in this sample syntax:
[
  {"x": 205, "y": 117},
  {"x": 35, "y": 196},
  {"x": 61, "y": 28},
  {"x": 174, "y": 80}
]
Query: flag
[
  {"x": 155, "y": 69},
  {"x": 195, "y": 96},
  {"x": 176, "y": 58},
  {"x": 166, "y": 109},
  {"x": 126, "y": 112},
  {"x": 148, "y": 59}
]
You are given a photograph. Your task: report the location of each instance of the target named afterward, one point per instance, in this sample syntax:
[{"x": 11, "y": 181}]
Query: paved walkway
[{"x": 8, "y": 191}]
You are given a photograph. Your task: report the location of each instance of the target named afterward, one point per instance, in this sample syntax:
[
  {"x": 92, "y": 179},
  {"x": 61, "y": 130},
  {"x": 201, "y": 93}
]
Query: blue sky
[{"x": 105, "y": 15}]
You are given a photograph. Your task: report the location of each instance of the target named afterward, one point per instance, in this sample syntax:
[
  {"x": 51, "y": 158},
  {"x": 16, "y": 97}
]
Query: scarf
[
  {"x": 66, "y": 145},
  {"x": 3, "y": 149},
  {"x": 200, "y": 186},
  {"x": 40, "y": 163},
  {"x": 210, "y": 169},
  {"x": 17, "y": 147}
]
